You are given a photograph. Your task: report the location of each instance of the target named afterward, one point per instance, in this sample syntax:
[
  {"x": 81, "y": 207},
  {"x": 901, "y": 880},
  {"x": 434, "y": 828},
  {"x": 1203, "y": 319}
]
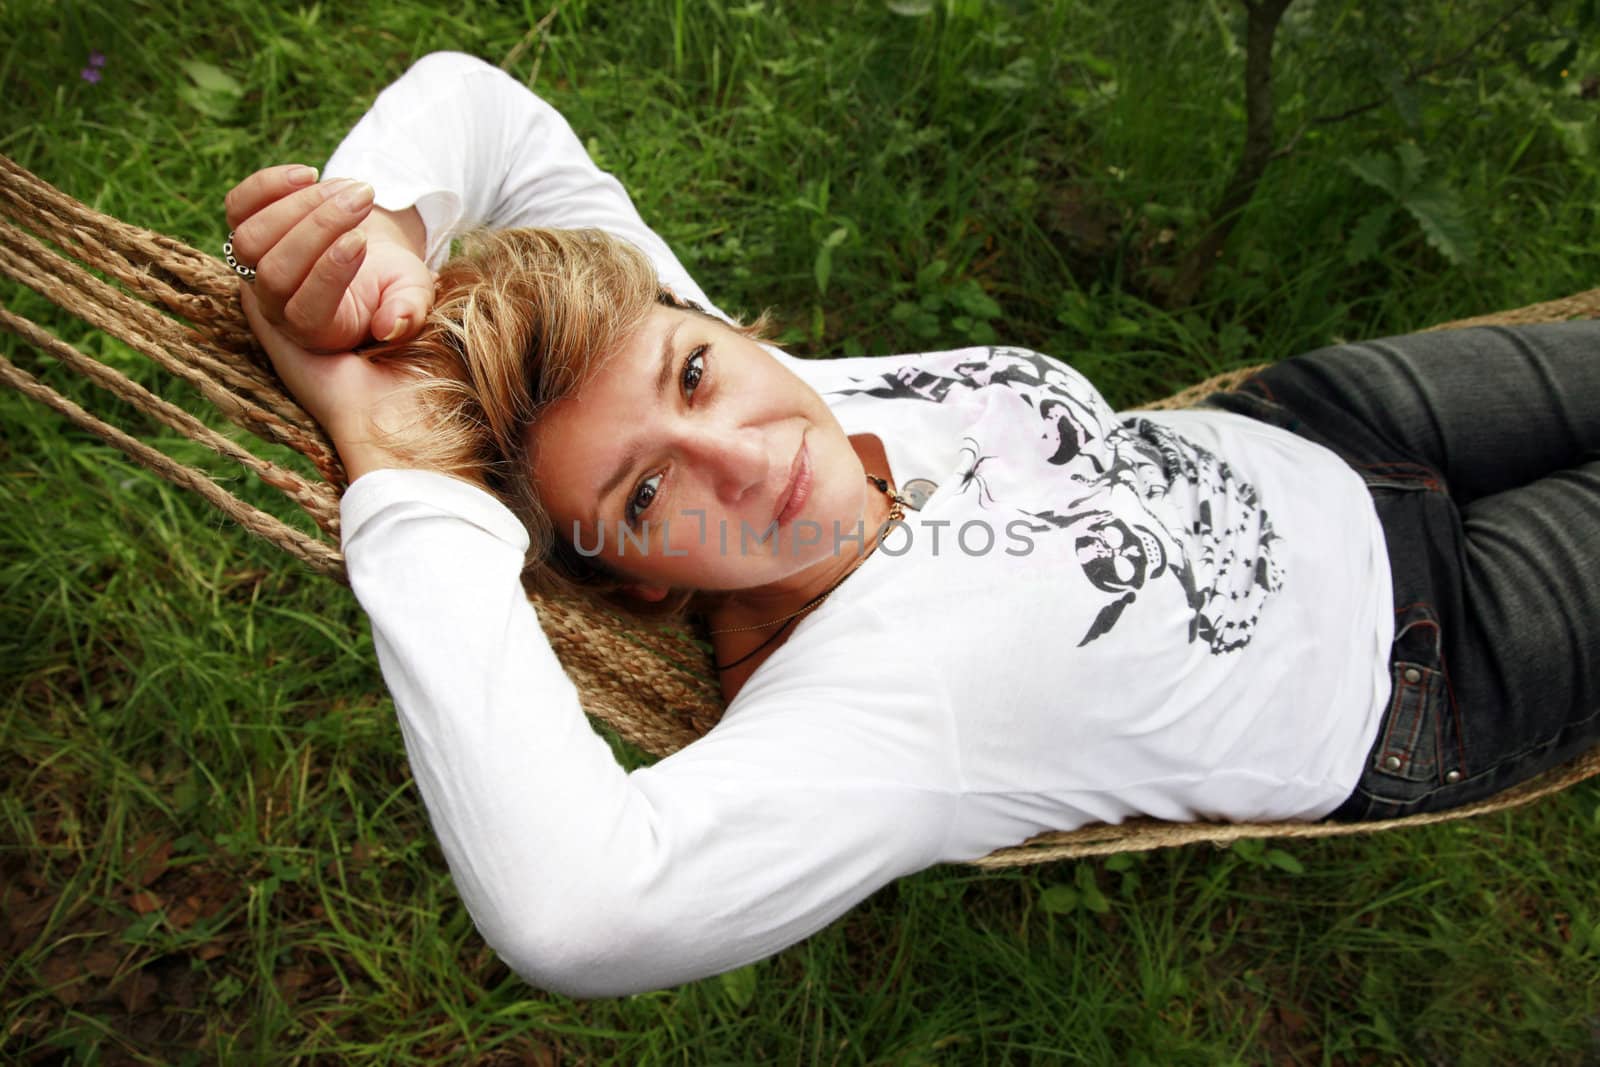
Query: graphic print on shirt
[
  {"x": 970, "y": 477},
  {"x": 1141, "y": 503}
]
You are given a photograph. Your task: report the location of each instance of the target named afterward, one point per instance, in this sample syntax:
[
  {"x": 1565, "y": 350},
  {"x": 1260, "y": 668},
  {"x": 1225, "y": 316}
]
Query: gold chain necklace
[{"x": 897, "y": 513}]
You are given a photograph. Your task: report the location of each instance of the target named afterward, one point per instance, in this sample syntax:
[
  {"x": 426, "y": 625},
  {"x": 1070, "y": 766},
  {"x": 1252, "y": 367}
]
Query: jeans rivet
[
  {"x": 1391, "y": 763},
  {"x": 1453, "y": 776},
  {"x": 1412, "y": 675}
]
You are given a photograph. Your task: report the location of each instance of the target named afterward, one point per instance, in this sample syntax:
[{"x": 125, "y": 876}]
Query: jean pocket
[
  {"x": 1419, "y": 745},
  {"x": 1409, "y": 747}
]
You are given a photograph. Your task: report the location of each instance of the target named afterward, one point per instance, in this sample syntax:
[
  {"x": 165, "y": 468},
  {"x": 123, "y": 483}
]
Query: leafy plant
[
  {"x": 739, "y": 985},
  {"x": 1403, "y": 176},
  {"x": 1084, "y": 893},
  {"x": 211, "y": 90},
  {"x": 945, "y": 307},
  {"x": 1257, "y": 853}
]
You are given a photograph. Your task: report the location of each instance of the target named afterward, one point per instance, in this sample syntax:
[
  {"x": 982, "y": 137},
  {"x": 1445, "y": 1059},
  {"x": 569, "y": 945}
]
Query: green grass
[{"x": 210, "y": 850}]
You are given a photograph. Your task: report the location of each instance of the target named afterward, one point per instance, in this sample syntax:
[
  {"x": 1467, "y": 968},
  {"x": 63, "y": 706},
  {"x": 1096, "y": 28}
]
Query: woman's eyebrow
[
  {"x": 666, "y": 359},
  {"x": 632, "y": 455}
]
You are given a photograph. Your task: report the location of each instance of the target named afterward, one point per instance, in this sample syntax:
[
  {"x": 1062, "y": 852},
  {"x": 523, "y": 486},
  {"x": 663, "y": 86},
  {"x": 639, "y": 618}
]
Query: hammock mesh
[{"x": 653, "y": 686}]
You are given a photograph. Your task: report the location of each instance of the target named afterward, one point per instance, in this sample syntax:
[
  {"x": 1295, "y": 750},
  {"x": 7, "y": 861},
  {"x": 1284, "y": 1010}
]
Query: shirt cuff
[
  {"x": 432, "y": 493},
  {"x": 395, "y": 189}
]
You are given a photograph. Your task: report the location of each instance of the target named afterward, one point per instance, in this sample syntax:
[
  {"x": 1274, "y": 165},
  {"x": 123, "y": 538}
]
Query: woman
[{"x": 1365, "y": 585}]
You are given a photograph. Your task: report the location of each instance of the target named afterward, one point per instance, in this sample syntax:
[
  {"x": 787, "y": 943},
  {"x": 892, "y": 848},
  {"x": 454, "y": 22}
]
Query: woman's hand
[
  {"x": 332, "y": 271},
  {"x": 355, "y": 397}
]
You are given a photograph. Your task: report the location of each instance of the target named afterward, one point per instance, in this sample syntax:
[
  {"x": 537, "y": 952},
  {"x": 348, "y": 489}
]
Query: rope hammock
[{"x": 654, "y": 687}]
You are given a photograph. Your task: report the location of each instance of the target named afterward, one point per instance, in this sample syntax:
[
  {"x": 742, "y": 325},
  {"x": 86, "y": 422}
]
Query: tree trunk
[{"x": 1260, "y": 29}]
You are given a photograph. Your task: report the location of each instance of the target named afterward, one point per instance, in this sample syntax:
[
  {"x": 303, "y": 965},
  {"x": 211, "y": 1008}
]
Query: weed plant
[{"x": 209, "y": 844}]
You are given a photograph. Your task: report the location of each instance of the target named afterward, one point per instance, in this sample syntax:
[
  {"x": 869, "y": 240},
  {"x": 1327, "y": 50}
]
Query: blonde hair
[{"x": 521, "y": 319}]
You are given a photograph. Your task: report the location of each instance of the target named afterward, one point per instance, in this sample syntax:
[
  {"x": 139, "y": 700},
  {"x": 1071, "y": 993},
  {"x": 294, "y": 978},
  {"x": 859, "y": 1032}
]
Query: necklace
[{"x": 897, "y": 513}]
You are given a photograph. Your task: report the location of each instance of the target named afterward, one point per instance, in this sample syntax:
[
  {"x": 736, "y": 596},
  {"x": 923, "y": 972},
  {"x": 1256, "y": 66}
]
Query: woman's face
[{"x": 694, "y": 460}]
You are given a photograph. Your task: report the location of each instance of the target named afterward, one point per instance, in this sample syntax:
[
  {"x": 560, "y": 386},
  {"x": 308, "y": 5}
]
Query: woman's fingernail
[
  {"x": 302, "y": 175},
  {"x": 357, "y": 197},
  {"x": 348, "y": 247},
  {"x": 333, "y": 187},
  {"x": 401, "y": 325}
]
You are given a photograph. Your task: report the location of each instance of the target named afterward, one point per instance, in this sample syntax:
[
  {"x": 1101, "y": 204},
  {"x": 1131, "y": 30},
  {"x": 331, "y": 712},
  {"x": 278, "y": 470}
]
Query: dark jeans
[{"x": 1481, "y": 449}]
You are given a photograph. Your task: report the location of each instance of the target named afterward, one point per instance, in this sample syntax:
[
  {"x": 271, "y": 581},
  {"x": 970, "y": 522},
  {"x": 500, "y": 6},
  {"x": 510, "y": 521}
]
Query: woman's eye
[
  {"x": 694, "y": 369},
  {"x": 642, "y": 498}
]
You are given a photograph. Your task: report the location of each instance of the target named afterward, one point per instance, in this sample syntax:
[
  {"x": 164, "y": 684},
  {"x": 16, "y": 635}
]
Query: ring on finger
[{"x": 247, "y": 273}]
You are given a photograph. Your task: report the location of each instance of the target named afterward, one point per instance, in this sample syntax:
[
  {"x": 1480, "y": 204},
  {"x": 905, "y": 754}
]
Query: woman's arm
[
  {"x": 468, "y": 146},
  {"x": 453, "y": 145},
  {"x": 591, "y": 881}
]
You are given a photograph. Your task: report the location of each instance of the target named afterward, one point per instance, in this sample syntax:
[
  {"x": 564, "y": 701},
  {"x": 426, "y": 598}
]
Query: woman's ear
[{"x": 652, "y": 594}]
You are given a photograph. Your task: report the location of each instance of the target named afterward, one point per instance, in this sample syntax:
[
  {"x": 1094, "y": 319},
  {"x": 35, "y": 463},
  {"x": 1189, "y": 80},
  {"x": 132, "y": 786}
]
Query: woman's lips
[{"x": 799, "y": 487}]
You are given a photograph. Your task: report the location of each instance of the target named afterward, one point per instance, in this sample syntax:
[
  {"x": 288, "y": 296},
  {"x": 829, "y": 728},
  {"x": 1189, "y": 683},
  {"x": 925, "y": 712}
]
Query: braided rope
[
  {"x": 142, "y": 261},
  {"x": 1584, "y": 305},
  {"x": 235, "y": 387},
  {"x": 304, "y": 548},
  {"x": 654, "y": 687},
  {"x": 185, "y": 281},
  {"x": 317, "y": 500},
  {"x": 1143, "y": 835}
]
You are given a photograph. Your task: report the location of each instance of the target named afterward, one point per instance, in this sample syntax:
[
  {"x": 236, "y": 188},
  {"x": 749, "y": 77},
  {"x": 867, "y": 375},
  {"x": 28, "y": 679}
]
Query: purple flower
[
  {"x": 97, "y": 59},
  {"x": 90, "y": 74}
]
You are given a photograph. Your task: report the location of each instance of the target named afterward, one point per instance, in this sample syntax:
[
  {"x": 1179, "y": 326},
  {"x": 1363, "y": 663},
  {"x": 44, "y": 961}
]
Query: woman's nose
[{"x": 735, "y": 460}]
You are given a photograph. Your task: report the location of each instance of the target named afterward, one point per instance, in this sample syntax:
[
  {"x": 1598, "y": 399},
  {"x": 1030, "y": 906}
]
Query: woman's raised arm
[
  {"x": 453, "y": 145},
  {"x": 468, "y": 146}
]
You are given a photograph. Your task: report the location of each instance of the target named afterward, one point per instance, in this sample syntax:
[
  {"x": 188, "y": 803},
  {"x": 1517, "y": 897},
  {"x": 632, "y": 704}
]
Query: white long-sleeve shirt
[{"x": 1184, "y": 615}]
